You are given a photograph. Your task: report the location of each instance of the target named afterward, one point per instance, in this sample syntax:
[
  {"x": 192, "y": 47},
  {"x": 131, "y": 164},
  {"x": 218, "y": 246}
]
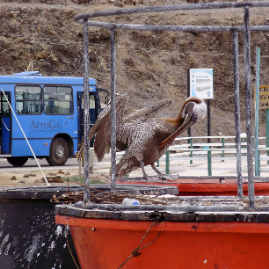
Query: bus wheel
[
  {"x": 59, "y": 152},
  {"x": 17, "y": 161}
]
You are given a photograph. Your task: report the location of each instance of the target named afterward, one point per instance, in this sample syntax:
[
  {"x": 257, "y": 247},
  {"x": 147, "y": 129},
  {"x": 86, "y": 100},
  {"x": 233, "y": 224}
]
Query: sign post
[{"x": 201, "y": 85}]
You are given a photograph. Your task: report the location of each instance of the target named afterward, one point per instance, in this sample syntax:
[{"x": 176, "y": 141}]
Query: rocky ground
[{"x": 56, "y": 176}]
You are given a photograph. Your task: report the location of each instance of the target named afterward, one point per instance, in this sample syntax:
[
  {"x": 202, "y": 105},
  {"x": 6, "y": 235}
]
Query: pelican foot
[
  {"x": 163, "y": 178},
  {"x": 153, "y": 178},
  {"x": 169, "y": 177}
]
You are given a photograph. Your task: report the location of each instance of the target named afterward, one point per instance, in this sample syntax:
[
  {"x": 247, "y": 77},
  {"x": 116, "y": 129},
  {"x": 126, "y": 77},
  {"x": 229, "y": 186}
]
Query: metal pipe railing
[
  {"x": 168, "y": 8},
  {"x": 257, "y": 108},
  {"x": 248, "y": 97},
  {"x": 113, "y": 109},
  {"x": 246, "y": 28},
  {"x": 86, "y": 116},
  {"x": 237, "y": 114}
]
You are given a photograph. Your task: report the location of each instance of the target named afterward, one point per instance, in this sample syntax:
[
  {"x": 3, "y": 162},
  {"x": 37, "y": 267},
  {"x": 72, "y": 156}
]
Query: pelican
[{"x": 144, "y": 138}]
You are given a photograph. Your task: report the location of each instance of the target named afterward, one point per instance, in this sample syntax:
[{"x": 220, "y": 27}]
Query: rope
[
  {"x": 69, "y": 248},
  {"x": 5, "y": 124},
  {"x": 136, "y": 252},
  {"x": 25, "y": 138}
]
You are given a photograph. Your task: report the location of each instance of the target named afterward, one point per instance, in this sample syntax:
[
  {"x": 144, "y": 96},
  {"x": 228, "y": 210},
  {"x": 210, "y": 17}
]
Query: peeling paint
[
  {"x": 5, "y": 240},
  {"x": 7, "y": 248},
  {"x": 59, "y": 231},
  {"x": 52, "y": 245},
  {"x": 30, "y": 251},
  {"x": 54, "y": 266}
]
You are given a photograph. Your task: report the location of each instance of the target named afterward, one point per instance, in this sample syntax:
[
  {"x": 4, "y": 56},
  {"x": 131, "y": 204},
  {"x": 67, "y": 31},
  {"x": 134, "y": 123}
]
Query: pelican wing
[
  {"x": 143, "y": 114},
  {"x": 102, "y": 128},
  {"x": 127, "y": 164}
]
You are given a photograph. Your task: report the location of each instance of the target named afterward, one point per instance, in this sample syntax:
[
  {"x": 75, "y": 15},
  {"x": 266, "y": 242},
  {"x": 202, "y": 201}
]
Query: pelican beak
[{"x": 187, "y": 123}]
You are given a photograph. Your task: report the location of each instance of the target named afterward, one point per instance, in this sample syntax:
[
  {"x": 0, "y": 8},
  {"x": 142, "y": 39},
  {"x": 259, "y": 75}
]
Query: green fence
[{"x": 187, "y": 152}]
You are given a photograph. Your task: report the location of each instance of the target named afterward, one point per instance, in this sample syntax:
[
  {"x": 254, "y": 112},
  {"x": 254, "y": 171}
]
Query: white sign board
[{"x": 201, "y": 83}]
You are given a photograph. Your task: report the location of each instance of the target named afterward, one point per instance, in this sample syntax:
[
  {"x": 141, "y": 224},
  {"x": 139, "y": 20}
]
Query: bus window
[
  {"x": 103, "y": 95},
  {"x": 4, "y": 106},
  {"x": 58, "y": 100},
  {"x": 93, "y": 114},
  {"x": 92, "y": 101},
  {"x": 28, "y": 100},
  {"x": 93, "y": 107}
]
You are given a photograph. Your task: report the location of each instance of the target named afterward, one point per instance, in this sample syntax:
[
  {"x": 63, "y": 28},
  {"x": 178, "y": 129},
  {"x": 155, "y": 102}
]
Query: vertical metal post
[
  {"x": 223, "y": 146},
  {"x": 191, "y": 146},
  {"x": 267, "y": 130},
  {"x": 113, "y": 108},
  {"x": 257, "y": 110},
  {"x": 251, "y": 191},
  {"x": 188, "y": 95},
  {"x": 259, "y": 163},
  {"x": 235, "y": 145},
  {"x": 209, "y": 166},
  {"x": 86, "y": 195},
  {"x": 167, "y": 162},
  {"x": 208, "y": 121},
  {"x": 237, "y": 115}
]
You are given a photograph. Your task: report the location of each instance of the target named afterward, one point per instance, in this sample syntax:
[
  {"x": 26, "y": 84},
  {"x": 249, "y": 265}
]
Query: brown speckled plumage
[{"x": 144, "y": 138}]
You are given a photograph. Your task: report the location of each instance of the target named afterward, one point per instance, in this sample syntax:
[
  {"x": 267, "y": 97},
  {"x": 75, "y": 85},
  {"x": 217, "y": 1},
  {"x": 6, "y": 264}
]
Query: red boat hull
[
  {"x": 103, "y": 243},
  {"x": 205, "y": 187}
]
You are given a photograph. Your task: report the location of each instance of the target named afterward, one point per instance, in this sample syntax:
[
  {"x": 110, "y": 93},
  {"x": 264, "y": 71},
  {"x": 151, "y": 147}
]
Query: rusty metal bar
[
  {"x": 257, "y": 111},
  {"x": 237, "y": 115},
  {"x": 86, "y": 195},
  {"x": 246, "y": 28},
  {"x": 182, "y": 28},
  {"x": 175, "y": 208},
  {"x": 251, "y": 191},
  {"x": 169, "y": 8},
  {"x": 113, "y": 109}
]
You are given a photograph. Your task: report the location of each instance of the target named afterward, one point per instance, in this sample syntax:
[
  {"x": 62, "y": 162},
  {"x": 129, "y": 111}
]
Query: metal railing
[
  {"x": 221, "y": 148},
  {"x": 195, "y": 153}
]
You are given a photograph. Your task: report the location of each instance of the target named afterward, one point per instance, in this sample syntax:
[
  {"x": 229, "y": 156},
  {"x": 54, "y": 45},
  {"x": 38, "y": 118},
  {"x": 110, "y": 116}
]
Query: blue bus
[{"x": 50, "y": 112}]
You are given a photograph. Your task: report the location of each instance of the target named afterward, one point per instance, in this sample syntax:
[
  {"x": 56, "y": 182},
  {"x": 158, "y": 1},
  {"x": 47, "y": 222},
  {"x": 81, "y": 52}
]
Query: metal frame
[{"x": 245, "y": 28}]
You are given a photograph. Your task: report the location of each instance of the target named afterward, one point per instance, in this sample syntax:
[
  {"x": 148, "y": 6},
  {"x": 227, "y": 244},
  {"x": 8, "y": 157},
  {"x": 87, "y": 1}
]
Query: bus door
[
  {"x": 5, "y": 115},
  {"x": 93, "y": 114}
]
